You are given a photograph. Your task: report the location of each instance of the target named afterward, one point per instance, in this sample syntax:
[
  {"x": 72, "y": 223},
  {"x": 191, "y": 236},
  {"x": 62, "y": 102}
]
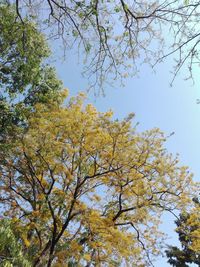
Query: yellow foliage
[
  {"x": 94, "y": 185},
  {"x": 25, "y": 240},
  {"x": 87, "y": 257}
]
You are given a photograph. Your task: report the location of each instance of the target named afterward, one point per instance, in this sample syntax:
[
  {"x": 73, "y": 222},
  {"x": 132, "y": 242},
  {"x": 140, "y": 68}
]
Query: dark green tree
[{"x": 188, "y": 229}]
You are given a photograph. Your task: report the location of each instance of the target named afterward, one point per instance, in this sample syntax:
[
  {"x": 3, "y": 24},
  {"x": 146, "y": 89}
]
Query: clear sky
[{"x": 155, "y": 104}]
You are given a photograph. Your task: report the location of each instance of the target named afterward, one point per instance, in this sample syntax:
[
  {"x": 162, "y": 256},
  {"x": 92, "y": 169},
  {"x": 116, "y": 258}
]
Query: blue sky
[{"x": 155, "y": 104}]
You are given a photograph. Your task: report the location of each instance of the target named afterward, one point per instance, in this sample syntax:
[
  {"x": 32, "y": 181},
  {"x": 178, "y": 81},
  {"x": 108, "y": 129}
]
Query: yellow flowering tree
[{"x": 84, "y": 189}]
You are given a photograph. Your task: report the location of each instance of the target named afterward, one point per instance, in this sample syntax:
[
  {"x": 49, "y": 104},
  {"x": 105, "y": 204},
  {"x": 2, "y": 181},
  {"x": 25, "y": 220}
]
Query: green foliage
[
  {"x": 21, "y": 52},
  {"x": 188, "y": 229},
  {"x": 11, "y": 254},
  {"x": 24, "y": 78}
]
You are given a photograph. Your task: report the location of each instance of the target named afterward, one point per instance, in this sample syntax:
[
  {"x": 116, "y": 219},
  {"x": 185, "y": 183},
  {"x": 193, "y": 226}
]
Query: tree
[
  {"x": 10, "y": 248},
  {"x": 85, "y": 190},
  {"x": 22, "y": 53},
  {"x": 23, "y": 49},
  {"x": 114, "y": 34},
  {"x": 188, "y": 229},
  {"x": 24, "y": 78}
]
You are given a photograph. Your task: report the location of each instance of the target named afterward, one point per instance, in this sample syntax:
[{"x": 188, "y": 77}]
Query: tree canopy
[
  {"x": 22, "y": 51},
  {"x": 25, "y": 79},
  {"x": 11, "y": 253},
  {"x": 86, "y": 190},
  {"x": 115, "y": 34},
  {"x": 78, "y": 188},
  {"x": 188, "y": 229}
]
